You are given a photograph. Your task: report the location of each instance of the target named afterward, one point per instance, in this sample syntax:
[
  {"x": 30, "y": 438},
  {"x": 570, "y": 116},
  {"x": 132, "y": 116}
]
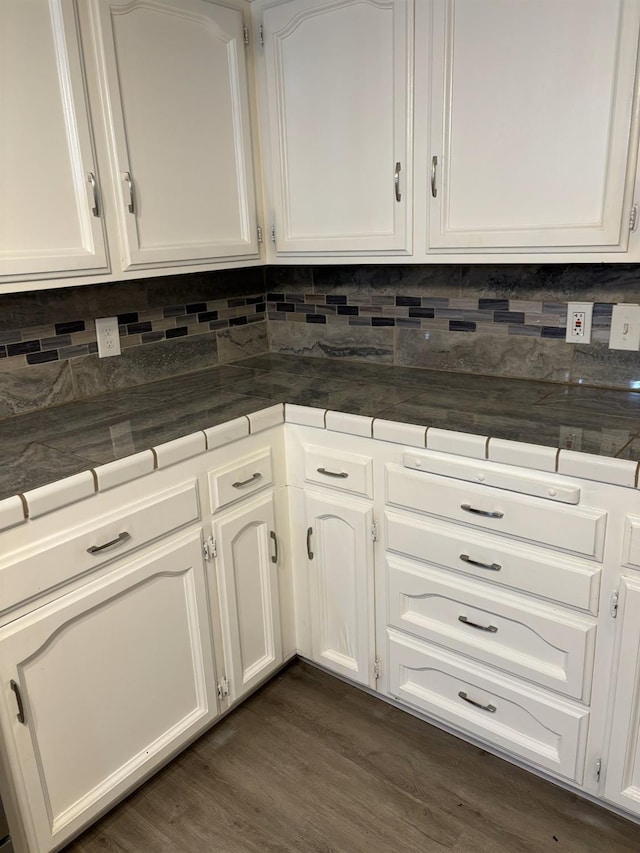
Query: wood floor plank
[{"x": 312, "y": 765}]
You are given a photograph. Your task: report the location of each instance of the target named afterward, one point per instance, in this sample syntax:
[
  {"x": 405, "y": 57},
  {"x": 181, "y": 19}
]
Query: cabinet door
[
  {"x": 112, "y": 679},
  {"x": 340, "y": 555},
  {"x": 50, "y": 219},
  {"x": 248, "y": 588},
  {"x": 622, "y": 782},
  {"x": 175, "y": 83},
  {"x": 531, "y": 114},
  {"x": 337, "y": 82}
]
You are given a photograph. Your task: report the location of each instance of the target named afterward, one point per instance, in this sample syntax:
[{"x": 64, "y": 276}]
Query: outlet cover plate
[{"x": 579, "y": 321}]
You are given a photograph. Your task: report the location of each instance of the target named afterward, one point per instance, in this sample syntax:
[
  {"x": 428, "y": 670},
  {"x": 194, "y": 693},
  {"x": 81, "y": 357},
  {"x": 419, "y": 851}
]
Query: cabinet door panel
[
  {"x": 532, "y": 106},
  {"x": 180, "y": 129},
  {"x": 341, "y": 585},
  {"x": 113, "y": 678},
  {"x": 248, "y": 588},
  {"x": 46, "y": 201},
  {"x": 337, "y": 84}
]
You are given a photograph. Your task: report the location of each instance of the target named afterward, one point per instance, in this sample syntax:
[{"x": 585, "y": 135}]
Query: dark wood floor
[{"x": 311, "y": 764}]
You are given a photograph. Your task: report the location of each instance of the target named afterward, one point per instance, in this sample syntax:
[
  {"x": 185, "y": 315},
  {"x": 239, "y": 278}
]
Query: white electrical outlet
[
  {"x": 579, "y": 320},
  {"x": 108, "y": 336},
  {"x": 625, "y": 327}
]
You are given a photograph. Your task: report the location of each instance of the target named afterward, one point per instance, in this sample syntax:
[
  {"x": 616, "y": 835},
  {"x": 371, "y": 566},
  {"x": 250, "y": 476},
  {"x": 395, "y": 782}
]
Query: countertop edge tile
[
  {"x": 180, "y": 448},
  {"x": 55, "y": 495},
  {"x": 225, "y": 433},
  {"x": 400, "y": 433},
  {"x": 461, "y": 443},
  {"x": 520, "y": 453},
  {"x": 266, "y": 418},
  {"x": 124, "y": 470},
  {"x": 12, "y": 512},
  {"x": 602, "y": 469},
  {"x": 304, "y": 415},
  {"x": 350, "y": 424}
]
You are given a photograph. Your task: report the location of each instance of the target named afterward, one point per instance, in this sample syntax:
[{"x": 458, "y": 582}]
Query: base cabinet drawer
[
  {"x": 542, "y": 729},
  {"x": 240, "y": 479},
  {"x": 519, "y": 636}
]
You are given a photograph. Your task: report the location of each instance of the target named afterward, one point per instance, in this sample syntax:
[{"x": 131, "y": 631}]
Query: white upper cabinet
[
  {"x": 175, "y": 94},
  {"x": 50, "y": 209},
  {"x": 530, "y": 120},
  {"x": 337, "y": 82}
]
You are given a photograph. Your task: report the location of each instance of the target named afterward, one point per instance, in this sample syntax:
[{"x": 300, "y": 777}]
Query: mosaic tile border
[
  {"x": 75, "y": 338},
  {"x": 482, "y": 316}
]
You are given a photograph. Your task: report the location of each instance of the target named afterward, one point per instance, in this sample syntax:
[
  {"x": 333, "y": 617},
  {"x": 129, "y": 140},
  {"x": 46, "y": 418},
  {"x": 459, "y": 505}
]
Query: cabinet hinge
[
  {"x": 374, "y": 531},
  {"x": 597, "y": 768},
  {"x": 273, "y": 233},
  {"x": 613, "y": 605},
  {"x": 259, "y": 233},
  {"x": 261, "y": 33},
  {"x": 376, "y": 669},
  {"x": 633, "y": 218},
  {"x": 246, "y": 35},
  {"x": 223, "y": 688},
  {"x": 210, "y": 548}
]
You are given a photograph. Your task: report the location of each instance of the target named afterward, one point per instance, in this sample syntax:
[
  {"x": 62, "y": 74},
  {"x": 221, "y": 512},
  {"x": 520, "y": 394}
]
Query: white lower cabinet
[
  {"x": 340, "y": 560},
  {"x": 246, "y": 549},
  {"x": 622, "y": 782},
  {"x": 103, "y": 684}
]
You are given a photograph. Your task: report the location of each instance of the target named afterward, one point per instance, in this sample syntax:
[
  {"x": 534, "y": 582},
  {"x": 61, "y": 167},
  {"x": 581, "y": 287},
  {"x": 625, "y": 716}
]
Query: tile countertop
[{"x": 42, "y": 447}]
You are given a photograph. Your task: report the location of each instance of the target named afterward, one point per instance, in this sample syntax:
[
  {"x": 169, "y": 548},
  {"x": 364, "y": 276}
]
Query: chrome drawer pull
[
  {"x": 485, "y": 512},
  {"x": 120, "y": 539},
  {"x": 309, "y": 551},
  {"x": 342, "y": 475},
  {"x": 490, "y": 628},
  {"x": 492, "y": 567},
  {"x": 91, "y": 178},
  {"x": 434, "y": 166},
  {"x": 396, "y": 181},
  {"x": 490, "y": 708},
  {"x": 272, "y": 534},
  {"x": 240, "y": 483},
  {"x": 16, "y": 690},
  {"x": 131, "y": 206}
]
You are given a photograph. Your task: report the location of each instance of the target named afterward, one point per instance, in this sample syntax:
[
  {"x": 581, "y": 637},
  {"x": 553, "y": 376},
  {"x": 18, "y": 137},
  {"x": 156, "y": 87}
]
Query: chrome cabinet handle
[
  {"x": 490, "y": 628},
  {"x": 120, "y": 539},
  {"x": 272, "y": 534},
  {"x": 396, "y": 181},
  {"x": 340, "y": 474},
  {"x": 490, "y": 708},
  {"x": 484, "y": 512},
  {"x": 309, "y": 535},
  {"x": 91, "y": 179},
  {"x": 131, "y": 207},
  {"x": 240, "y": 483},
  {"x": 434, "y": 168},
  {"x": 492, "y": 567},
  {"x": 16, "y": 690}
]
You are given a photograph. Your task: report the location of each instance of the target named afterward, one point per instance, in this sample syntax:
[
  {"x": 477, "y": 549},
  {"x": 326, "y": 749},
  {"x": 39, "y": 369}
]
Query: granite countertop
[{"x": 41, "y": 447}]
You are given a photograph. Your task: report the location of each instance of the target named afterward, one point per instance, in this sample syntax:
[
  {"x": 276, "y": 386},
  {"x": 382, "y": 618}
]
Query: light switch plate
[{"x": 625, "y": 327}]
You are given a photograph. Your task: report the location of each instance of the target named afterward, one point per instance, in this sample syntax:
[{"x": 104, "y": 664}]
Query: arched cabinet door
[
  {"x": 50, "y": 202},
  {"x": 337, "y": 80},
  {"x": 340, "y": 560},
  {"x": 173, "y": 76}
]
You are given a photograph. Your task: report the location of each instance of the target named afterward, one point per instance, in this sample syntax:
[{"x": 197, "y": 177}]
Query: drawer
[
  {"x": 498, "y": 511},
  {"x": 82, "y": 549},
  {"x": 348, "y": 472},
  {"x": 540, "y": 728},
  {"x": 520, "y": 636},
  {"x": 631, "y": 547},
  {"x": 242, "y": 478},
  {"x": 489, "y": 558}
]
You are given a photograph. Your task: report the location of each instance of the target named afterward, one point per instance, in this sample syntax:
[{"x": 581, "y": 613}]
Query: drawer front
[
  {"x": 570, "y": 529},
  {"x": 542, "y": 729},
  {"x": 488, "y": 558},
  {"x": 631, "y": 548},
  {"x": 521, "y": 637},
  {"x": 83, "y": 549},
  {"x": 348, "y": 472},
  {"x": 244, "y": 477}
]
